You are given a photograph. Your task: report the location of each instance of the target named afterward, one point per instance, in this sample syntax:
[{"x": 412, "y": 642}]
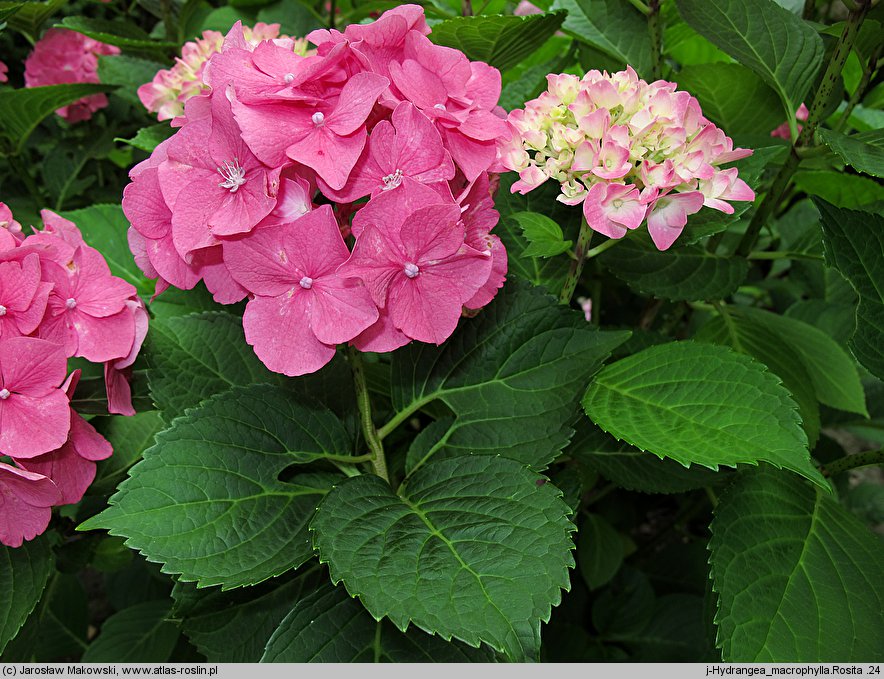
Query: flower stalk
[
  {"x": 655, "y": 28},
  {"x": 576, "y": 267},
  {"x": 843, "y": 464},
  {"x": 363, "y": 402}
]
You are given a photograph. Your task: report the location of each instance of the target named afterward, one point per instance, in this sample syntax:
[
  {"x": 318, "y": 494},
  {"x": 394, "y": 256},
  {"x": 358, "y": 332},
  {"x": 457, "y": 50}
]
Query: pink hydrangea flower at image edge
[
  {"x": 4, "y": 69},
  {"x": 62, "y": 57}
]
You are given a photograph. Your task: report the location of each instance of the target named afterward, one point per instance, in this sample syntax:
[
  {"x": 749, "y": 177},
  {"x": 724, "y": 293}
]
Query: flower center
[
  {"x": 234, "y": 175},
  {"x": 391, "y": 181},
  {"x": 411, "y": 270},
  {"x": 4, "y": 394},
  {"x": 306, "y": 282},
  {"x": 289, "y": 77},
  {"x": 71, "y": 303},
  {"x": 617, "y": 203},
  {"x": 318, "y": 118},
  {"x": 2, "y": 310}
]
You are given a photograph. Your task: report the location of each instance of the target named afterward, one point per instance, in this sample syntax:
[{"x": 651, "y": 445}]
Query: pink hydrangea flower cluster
[
  {"x": 58, "y": 299},
  {"x": 627, "y": 150},
  {"x": 63, "y": 56},
  {"x": 170, "y": 88},
  {"x": 254, "y": 194}
]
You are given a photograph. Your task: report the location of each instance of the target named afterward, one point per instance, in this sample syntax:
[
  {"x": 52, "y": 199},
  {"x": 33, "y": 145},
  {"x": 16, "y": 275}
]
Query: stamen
[
  {"x": 318, "y": 118},
  {"x": 289, "y": 77},
  {"x": 306, "y": 282},
  {"x": 411, "y": 270},
  {"x": 441, "y": 107},
  {"x": 4, "y": 394},
  {"x": 391, "y": 181},
  {"x": 234, "y": 175},
  {"x": 71, "y": 303},
  {"x": 2, "y": 310}
]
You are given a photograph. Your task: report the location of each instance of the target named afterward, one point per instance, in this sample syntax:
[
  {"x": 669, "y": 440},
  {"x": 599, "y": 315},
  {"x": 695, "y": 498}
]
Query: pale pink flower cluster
[
  {"x": 58, "y": 299},
  {"x": 63, "y": 56},
  {"x": 627, "y": 150},
  {"x": 254, "y": 194},
  {"x": 783, "y": 132},
  {"x": 170, "y": 88}
]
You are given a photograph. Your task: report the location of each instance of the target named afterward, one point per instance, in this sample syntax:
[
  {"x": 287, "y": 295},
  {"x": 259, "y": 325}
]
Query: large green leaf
[
  {"x": 735, "y": 99},
  {"x": 500, "y": 40},
  {"x": 194, "y": 357},
  {"x": 854, "y": 244},
  {"x": 614, "y": 27},
  {"x": 130, "y": 437},
  {"x": 141, "y": 633},
  {"x": 635, "y": 469},
  {"x": 839, "y": 188},
  {"x": 700, "y": 404},
  {"x": 104, "y": 227},
  {"x": 148, "y": 138},
  {"x": 544, "y": 236},
  {"x": 24, "y": 572},
  {"x": 512, "y": 376},
  {"x": 599, "y": 551},
  {"x": 832, "y": 372},
  {"x": 22, "y": 110},
  {"x": 763, "y": 344},
  {"x": 688, "y": 273},
  {"x": 328, "y": 625},
  {"x": 207, "y": 500},
  {"x": 795, "y": 575},
  {"x": 119, "y": 33},
  {"x": 864, "y": 151},
  {"x": 779, "y": 46},
  {"x": 128, "y": 73},
  {"x": 476, "y": 548},
  {"x": 234, "y": 626},
  {"x": 29, "y": 16}
]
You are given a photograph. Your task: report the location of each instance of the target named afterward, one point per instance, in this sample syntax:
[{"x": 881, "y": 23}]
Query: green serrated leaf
[
  {"x": 235, "y": 626},
  {"x": 544, "y": 236},
  {"x": 780, "y": 47},
  {"x": 477, "y": 548},
  {"x": 599, "y": 551},
  {"x": 700, "y": 404},
  {"x": 128, "y": 73},
  {"x": 854, "y": 244},
  {"x": 328, "y": 625},
  {"x": 196, "y": 356},
  {"x": 21, "y": 110},
  {"x": 130, "y": 437},
  {"x": 839, "y": 188},
  {"x": 764, "y": 345},
  {"x": 794, "y": 574},
  {"x": 207, "y": 501},
  {"x": 499, "y": 40},
  {"x": 616, "y": 28},
  {"x": 735, "y": 99},
  {"x": 688, "y": 273},
  {"x": 29, "y": 16},
  {"x": 295, "y": 18},
  {"x": 104, "y": 227},
  {"x": 511, "y": 376},
  {"x": 141, "y": 633},
  {"x": 119, "y": 33},
  {"x": 148, "y": 138},
  {"x": 635, "y": 469},
  {"x": 24, "y": 572},
  {"x": 863, "y": 151}
]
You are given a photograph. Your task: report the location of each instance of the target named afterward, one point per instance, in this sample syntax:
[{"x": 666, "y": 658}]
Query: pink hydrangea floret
[
  {"x": 628, "y": 151},
  {"x": 62, "y": 56},
  {"x": 58, "y": 299}
]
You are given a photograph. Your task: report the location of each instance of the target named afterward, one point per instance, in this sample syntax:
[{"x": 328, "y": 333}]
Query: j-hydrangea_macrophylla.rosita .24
[
  {"x": 345, "y": 191},
  {"x": 627, "y": 150},
  {"x": 58, "y": 300}
]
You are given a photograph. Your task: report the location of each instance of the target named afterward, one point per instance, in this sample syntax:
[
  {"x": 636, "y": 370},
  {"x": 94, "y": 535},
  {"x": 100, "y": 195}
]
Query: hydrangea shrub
[{"x": 441, "y": 334}]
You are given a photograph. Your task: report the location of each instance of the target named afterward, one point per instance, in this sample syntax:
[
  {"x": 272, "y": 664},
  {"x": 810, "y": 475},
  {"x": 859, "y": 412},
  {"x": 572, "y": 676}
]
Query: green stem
[
  {"x": 466, "y": 8},
  {"x": 815, "y": 113},
  {"x": 576, "y": 269},
  {"x": 348, "y": 459},
  {"x": 656, "y": 30},
  {"x": 640, "y": 6},
  {"x": 363, "y": 401},
  {"x": 599, "y": 249},
  {"x": 809, "y": 10},
  {"x": 844, "y": 464},
  {"x": 401, "y": 416},
  {"x": 860, "y": 91}
]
